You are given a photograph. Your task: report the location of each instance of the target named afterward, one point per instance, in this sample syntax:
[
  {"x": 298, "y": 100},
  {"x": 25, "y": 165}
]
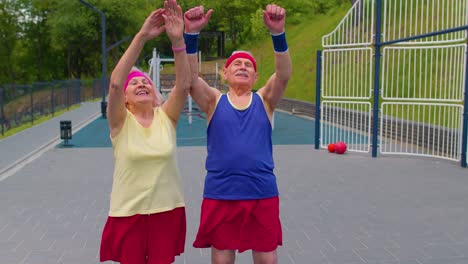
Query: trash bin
[
  {"x": 104, "y": 110},
  {"x": 65, "y": 130}
]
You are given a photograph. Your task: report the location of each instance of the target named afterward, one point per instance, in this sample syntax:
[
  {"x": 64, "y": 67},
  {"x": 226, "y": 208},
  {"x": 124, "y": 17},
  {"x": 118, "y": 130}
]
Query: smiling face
[
  {"x": 139, "y": 90},
  {"x": 241, "y": 72}
]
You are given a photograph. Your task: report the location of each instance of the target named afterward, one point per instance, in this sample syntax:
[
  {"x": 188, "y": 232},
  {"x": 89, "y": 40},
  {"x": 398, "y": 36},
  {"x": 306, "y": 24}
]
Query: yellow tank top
[{"x": 146, "y": 177}]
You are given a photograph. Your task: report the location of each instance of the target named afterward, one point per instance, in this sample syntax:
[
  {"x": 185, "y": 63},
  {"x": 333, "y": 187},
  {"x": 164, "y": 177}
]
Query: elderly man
[{"x": 240, "y": 209}]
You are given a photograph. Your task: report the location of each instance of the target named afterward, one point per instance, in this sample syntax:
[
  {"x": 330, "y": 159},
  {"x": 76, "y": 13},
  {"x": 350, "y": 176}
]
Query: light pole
[{"x": 104, "y": 59}]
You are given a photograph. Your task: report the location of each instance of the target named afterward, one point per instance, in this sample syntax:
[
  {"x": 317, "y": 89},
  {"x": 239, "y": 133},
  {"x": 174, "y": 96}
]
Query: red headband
[
  {"x": 134, "y": 74},
  {"x": 243, "y": 55}
]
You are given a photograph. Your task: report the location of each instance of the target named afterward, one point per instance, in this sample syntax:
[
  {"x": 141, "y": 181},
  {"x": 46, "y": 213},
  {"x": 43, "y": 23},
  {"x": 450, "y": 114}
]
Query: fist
[
  {"x": 195, "y": 19},
  {"x": 274, "y": 18}
]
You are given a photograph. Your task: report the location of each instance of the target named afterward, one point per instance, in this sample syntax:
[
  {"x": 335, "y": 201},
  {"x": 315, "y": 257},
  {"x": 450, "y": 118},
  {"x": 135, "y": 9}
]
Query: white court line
[{"x": 21, "y": 162}]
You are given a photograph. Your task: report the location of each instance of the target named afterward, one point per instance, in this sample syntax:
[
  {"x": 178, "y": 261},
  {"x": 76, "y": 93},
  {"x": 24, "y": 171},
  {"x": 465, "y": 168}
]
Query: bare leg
[
  {"x": 222, "y": 256},
  {"x": 265, "y": 257}
]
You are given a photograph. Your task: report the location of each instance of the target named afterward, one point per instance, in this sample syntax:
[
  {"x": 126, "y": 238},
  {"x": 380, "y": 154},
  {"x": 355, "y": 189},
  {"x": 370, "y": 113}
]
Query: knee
[
  {"x": 265, "y": 257},
  {"x": 222, "y": 256},
  {"x": 221, "y": 260}
]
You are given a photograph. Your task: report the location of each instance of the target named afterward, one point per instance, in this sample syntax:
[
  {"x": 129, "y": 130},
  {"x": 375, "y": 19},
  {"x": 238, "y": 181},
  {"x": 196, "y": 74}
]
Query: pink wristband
[{"x": 179, "y": 49}]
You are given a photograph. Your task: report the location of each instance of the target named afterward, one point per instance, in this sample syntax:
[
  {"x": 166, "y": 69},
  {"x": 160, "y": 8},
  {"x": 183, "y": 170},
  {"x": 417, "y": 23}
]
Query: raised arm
[
  {"x": 152, "y": 27},
  {"x": 204, "y": 95},
  {"x": 174, "y": 24},
  {"x": 274, "y": 18}
]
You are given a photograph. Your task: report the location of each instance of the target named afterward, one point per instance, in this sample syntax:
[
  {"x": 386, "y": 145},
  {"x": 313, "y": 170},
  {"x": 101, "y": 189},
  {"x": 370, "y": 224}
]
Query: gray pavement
[
  {"x": 18, "y": 149},
  {"x": 343, "y": 209}
]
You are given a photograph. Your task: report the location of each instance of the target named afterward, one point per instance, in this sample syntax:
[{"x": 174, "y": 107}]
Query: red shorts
[
  {"x": 240, "y": 225},
  {"x": 153, "y": 239}
]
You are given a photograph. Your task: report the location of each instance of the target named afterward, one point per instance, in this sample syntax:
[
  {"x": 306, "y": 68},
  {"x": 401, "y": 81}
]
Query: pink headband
[
  {"x": 134, "y": 74},
  {"x": 243, "y": 55}
]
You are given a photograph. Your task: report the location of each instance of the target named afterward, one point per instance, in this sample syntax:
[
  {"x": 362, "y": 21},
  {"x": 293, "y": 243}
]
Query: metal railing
[
  {"x": 416, "y": 83},
  {"x": 21, "y": 104}
]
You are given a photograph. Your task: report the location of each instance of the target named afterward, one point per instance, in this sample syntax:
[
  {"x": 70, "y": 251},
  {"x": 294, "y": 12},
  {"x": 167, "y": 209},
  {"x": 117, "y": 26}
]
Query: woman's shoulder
[{"x": 160, "y": 113}]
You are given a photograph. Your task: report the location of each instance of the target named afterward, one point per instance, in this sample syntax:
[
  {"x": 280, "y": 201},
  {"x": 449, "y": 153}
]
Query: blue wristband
[
  {"x": 279, "y": 42},
  {"x": 191, "y": 41}
]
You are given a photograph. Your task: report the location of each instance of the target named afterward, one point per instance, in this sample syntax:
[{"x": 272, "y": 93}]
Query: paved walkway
[
  {"x": 18, "y": 149},
  {"x": 343, "y": 209}
]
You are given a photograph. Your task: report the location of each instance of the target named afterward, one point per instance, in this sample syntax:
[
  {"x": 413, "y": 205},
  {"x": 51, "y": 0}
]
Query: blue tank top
[{"x": 240, "y": 163}]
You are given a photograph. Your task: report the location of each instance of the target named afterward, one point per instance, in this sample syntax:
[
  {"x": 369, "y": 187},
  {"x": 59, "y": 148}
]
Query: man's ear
[
  {"x": 255, "y": 77},
  {"x": 225, "y": 73}
]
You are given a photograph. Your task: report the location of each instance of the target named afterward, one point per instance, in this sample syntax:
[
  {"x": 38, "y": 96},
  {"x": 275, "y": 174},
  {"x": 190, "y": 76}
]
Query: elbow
[
  {"x": 187, "y": 87},
  {"x": 115, "y": 86},
  {"x": 193, "y": 79}
]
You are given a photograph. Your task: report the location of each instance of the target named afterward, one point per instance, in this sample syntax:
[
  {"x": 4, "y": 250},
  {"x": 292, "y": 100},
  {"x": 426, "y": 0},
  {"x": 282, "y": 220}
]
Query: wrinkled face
[
  {"x": 241, "y": 71},
  {"x": 139, "y": 90}
]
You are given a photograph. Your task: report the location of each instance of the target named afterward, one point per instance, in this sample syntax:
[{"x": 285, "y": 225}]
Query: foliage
[
  {"x": 302, "y": 48},
  {"x": 43, "y": 40},
  {"x": 9, "y": 27}
]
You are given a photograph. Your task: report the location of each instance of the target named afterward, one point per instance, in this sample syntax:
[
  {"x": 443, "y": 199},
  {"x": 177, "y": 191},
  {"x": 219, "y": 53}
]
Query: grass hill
[{"x": 304, "y": 39}]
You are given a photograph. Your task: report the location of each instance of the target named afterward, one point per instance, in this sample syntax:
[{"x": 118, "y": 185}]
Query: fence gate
[
  {"x": 422, "y": 80},
  {"x": 417, "y": 80},
  {"x": 347, "y": 79}
]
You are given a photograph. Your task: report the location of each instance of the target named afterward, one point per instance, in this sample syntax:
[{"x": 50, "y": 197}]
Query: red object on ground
[
  {"x": 331, "y": 147},
  {"x": 340, "y": 147}
]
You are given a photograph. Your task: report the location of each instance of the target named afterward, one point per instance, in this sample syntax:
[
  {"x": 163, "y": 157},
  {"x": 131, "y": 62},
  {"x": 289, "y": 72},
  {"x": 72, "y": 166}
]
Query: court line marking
[{"x": 33, "y": 155}]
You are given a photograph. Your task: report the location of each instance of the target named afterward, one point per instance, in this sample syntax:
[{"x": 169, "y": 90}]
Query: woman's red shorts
[
  {"x": 153, "y": 239},
  {"x": 240, "y": 225}
]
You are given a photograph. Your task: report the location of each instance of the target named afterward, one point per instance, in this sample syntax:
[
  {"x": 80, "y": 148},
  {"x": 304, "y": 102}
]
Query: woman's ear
[{"x": 125, "y": 98}]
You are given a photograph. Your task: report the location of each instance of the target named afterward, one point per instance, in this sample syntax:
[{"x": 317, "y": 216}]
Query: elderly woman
[{"x": 146, "y": 222}]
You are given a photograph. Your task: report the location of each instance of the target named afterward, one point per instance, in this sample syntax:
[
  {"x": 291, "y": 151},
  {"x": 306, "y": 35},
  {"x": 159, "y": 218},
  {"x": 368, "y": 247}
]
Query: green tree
[
  {"x": 123, "y": 19},
  {"x": 56, "y": 39},
  {"x": 36, "y": 55},
  {"x": 74, "y": 33},
  {"x": 9, "y": 31}
]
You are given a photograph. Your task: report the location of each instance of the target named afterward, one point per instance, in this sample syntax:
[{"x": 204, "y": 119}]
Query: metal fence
[
  {"x": 22, "y": 104},
  {"x": 411, "y": 73}
]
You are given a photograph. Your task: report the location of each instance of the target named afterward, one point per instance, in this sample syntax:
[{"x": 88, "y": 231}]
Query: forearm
[
  {"x": 193, "y": 64},
  {"x": 283, "y": 65},
  {"x": 125, "y": 64},
  {"x": 191, "y": 42},
  {"x": 116, "y": 106},
  {"x": 276, "y": 85},
  {"x": 175, "y": 103},
  {"x": 200, "y": 91},
  {"x": 182, "y": 68}
]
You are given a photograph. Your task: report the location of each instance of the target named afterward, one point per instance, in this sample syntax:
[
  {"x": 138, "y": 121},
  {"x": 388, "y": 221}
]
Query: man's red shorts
[
  {"x": 240, "y": 225},
  {"x": 153, "y": 239}
]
